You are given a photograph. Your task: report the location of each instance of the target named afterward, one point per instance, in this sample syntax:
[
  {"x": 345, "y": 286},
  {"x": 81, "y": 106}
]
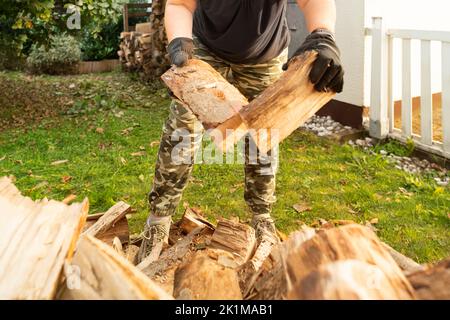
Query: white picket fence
[{"x": 382, "y": 86}]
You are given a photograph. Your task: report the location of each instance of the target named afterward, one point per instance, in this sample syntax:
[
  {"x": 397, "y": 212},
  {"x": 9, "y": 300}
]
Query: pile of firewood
[
  {"x": 145, "y": 52},
  {"x": 52, "y": 250}
]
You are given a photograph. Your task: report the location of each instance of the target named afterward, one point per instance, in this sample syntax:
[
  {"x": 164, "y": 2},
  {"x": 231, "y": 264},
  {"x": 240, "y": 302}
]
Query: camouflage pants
[{"x": 171, "y": 177}]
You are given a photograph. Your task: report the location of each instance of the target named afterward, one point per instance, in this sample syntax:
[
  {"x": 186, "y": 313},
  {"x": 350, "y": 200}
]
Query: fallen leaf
[
  {"x": 19, "y": 162},
  {"x": 100, "y": 130},
  {"x": 138, "y": 154},
  {"x": 122, "y": 159},
  {"x": 58, "y": 162},
  {"x": 66, "y": 179},
  {"x": 142, "y": 178},
  {"x": 301, "y": 207},
  {"x": 374, "y": 221},
  {"x": 154, "y": 143},
  {"x": 2, "y": 158},
  {"x": 69, "y": 198},
  {"x": 141, "y": 148}
]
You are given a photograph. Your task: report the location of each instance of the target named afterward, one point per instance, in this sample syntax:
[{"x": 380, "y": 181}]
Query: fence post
[
  {"x": 378, "y": 112},
  {"x": 125, "y": 18}
]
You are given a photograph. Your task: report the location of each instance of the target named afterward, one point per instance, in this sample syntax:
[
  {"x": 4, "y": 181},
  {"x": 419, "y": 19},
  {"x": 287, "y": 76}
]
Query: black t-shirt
[{"x": 242, "y": 31}]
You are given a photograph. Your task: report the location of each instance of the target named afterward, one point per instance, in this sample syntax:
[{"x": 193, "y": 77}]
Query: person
[{"x": 247, "y": 39}]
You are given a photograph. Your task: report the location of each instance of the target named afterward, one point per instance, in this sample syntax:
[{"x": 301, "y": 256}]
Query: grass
[{"x": 107, "y": 127}]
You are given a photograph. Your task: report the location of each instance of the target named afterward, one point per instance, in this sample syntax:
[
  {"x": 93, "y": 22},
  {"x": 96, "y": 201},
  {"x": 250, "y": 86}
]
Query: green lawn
[{"x": 107, "y": 127}]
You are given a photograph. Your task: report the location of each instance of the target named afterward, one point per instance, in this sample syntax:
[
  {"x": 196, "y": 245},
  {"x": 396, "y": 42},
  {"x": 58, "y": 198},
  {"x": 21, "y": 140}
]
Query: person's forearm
[
  {"x": 319, "y": 14},
  {"x": 178, "y": 18}
]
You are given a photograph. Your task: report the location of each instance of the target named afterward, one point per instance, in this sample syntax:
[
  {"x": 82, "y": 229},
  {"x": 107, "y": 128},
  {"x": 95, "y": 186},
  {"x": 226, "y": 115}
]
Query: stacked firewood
[
  {"x": 52, "y": 250},
  {"x": 146, "y": 52}
]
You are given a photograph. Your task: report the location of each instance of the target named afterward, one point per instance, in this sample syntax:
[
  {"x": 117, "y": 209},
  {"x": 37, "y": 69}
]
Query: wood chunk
[
  {"x": 432, "y": 283},
  {"x": 205, "y": 92},
  {"x": 117, "y": 246},
  {"x": 120, "y": 229},
  {"x": 346, "y": 280},
  {"x": 35, "y": 239},
  {"x": 131, "y": 253},
  {"x": 109, "y": 219},
  {"x": 287, "y": 104},
  {"x": 405, "y": 263},
  {"x": 280, "y": 109},
  {"x": 270, "y": 281},
  {"x": 105, "y": 274},
  {"x": 351, "y": 242},
  {"x": 170, "y": 256},
  {"x": 237, "y": 238},
  {"x": 191, "y": 221},
  {"x": 206, "y": 276}
]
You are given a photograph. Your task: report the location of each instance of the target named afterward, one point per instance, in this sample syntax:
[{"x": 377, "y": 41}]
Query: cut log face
[
  {"x": 98, "y": 272},
  {"x": 207, "y": 276},
  {"x": 432, "y": 283},
  {"x": 205, "y": 92},
  {"x": 237, "y": 238},
  {"x": 35, "y": 239},
  {"x": 351, "y": 242}
]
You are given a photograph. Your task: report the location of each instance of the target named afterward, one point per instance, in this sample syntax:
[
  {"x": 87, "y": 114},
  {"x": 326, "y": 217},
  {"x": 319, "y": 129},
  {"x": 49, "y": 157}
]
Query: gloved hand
[
  {"x": 327, "y": 73},
  {"x": 180, "y": 51}
]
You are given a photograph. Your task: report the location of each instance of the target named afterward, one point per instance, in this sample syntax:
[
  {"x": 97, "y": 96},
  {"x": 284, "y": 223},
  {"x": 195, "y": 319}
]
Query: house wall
[
  {"x": 407, "y": 14},
  {"x": 350, "y": 38},
  {"x": 356, "y": 15}
]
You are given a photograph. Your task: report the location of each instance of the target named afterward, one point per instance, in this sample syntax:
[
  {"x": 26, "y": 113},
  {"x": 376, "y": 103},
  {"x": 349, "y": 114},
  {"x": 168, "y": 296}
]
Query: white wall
[
  {"x": 407, "y": 14},
  {"x": 350, "y": 38}
]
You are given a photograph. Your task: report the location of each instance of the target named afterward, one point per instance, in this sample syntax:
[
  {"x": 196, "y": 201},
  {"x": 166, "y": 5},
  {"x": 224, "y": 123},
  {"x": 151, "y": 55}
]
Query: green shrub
[{"x": 61, "y": 57}]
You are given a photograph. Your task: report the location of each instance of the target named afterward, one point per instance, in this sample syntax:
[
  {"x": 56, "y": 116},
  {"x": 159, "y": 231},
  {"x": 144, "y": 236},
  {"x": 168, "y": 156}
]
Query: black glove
[
  {"x": 180, "y": 51},
  {"x": 327, "y": 73}
]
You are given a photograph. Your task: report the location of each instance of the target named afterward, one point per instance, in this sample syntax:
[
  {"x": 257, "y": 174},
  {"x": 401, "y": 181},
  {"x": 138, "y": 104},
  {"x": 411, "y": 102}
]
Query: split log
[
  {"x": 207, "y": 276},
  {"x": 279, "y": 110},
  {"x": 98, "y": 272},
  {"x": 347, "y": 280},
  {"x": 270, "y": 118},
  {"x": 351, "y": 242},
  {"x": 432, "y": 283},
  {"x": 237, "y": 238},
  {"x": 120, "y": 229},
  {"x": 205, "y": 92},
  {"x": 191, "y": 221},
  {"x": 170, "y": 256},
  {"x": 270, "y": 281},
  {"x": 109, "y": 219},
  {"x": 35, "y": 239},
  {"x": 131, "y": 253},
  {"x": 405, "y": 263}
]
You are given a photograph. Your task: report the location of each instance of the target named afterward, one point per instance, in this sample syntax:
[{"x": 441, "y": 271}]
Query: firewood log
[
  {"x": 35, "y": 239},
  {"x": 207, "y": 275},
  {"x": 205, "y": 92},
  {"x": 237, "y": 238},
  {"x": 99, "y": 272},
  {"x": 433, "y": 283}
]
